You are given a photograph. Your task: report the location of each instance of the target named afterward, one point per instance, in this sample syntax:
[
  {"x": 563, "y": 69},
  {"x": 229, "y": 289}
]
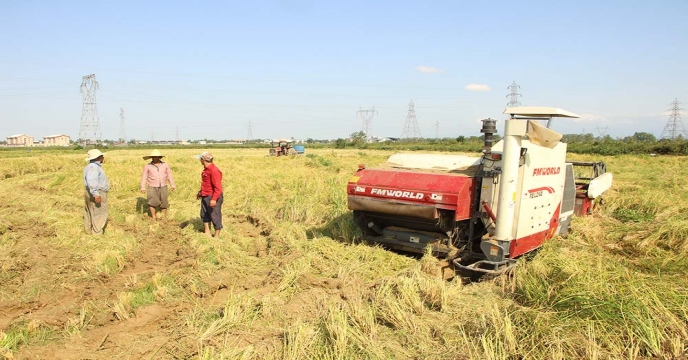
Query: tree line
[{"x": 638, "y": 143}]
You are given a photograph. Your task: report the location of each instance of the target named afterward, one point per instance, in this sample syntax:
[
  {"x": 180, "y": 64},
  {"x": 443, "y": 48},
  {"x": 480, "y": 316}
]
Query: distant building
[
  {"x": 20, "y": 140},
  {"x": 56, "y": 140}
]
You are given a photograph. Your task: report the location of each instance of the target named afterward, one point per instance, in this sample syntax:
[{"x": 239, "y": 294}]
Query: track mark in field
[
  {"x": 242, "y": 225},
  {"x": 34, "y": 284},
  {"x": 151, "y": 329},
  {"x": 63, "y": 298}
]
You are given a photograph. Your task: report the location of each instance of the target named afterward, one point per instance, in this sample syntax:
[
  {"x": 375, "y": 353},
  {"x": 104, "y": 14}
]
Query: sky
[{"x": 302, "y": 69}]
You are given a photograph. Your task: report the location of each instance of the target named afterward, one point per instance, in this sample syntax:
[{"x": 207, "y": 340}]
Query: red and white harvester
[{"x": 480, "y": 212}]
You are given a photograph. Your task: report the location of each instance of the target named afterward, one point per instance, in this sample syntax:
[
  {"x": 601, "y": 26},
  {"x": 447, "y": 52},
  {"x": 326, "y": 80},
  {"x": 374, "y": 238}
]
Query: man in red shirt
[{"x": 210, "y": 194}]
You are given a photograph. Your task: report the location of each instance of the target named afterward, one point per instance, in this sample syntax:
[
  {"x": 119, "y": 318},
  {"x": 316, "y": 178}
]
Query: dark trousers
[{"x": 213, "y": 215}]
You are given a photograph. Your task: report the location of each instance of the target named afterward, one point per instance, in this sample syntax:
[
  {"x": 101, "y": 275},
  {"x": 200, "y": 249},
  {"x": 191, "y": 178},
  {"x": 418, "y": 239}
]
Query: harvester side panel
[
  {"x": 537, "y": 202},
  {"x": 542, "y": 189},
  {"x": 438, "y": 190},
  {"x": 531, "y": 242}
]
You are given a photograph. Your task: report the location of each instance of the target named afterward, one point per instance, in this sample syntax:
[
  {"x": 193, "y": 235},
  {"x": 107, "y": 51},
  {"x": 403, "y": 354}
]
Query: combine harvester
[{"x": 481, "y": 213}]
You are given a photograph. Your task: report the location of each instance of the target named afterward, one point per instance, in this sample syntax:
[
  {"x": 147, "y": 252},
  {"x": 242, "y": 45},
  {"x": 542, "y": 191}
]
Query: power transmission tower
[
  {"x": 89, "y": 133},
  {"x": 250, "y": 131},
  {"x": 674, "y": 127},
  {"x": 122, "y": 133},
  {"x": 513, "y": 95},
  {"x": 152, "y": 137},
  {"x": 411, "y": 129},
  {"x": 179, "y": 140},
  {"x": 602, "y": 131},
  {"x": 366, "y": 117},
  {"x": 437, "y": 130}
]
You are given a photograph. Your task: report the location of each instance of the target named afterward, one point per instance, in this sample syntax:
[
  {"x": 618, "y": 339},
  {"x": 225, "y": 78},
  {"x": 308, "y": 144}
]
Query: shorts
[
  {"x": 213, "y": 215},
  {"x": 157, "y": 197}
]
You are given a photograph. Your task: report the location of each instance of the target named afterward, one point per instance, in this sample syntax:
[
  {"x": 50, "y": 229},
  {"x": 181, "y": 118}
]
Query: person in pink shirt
[
  {"x": 154, "y": 179},
  {"x": 210, "y": 194}
]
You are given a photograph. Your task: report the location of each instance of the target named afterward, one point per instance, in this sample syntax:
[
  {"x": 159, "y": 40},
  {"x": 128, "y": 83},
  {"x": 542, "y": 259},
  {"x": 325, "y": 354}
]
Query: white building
[
  {"x": 56, "y": 140},
  {"x": 20, "y": 140}
]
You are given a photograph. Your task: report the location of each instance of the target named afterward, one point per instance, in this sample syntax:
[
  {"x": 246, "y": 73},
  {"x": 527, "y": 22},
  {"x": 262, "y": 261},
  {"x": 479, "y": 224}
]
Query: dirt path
[{"x": 151, "y": 331}]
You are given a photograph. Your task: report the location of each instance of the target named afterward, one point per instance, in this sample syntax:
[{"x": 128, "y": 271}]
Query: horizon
[{"x": 303, "y": 69}]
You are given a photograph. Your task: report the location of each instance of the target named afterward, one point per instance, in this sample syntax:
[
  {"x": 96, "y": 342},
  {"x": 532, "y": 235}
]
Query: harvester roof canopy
[{"x": 544, "y": 112}]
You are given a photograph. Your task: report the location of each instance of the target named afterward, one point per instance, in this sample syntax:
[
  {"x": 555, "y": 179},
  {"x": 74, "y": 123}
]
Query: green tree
[
  {"x": 644, "y": 136},
  {"x": 358, "y": 138}
]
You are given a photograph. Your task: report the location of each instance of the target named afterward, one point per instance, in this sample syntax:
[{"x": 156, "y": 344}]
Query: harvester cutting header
[{"x": 481, "y": 212}]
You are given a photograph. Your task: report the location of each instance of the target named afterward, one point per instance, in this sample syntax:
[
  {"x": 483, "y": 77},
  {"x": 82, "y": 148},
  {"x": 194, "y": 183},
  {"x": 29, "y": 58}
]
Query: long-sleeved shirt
[
  {"x": 156, "y": 176},
  {"x": 211, "y": 182},
  {"x": 95, "y": 179}
]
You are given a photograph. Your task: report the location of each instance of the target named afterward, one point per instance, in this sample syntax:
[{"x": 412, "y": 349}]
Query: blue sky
[{"x": 303, "y": 68}]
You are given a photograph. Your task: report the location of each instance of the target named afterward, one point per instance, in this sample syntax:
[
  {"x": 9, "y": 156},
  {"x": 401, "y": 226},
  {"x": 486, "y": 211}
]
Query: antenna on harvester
[
  {"x": 250, "y": 131},
  {"x": 513, "y": 95},
  {"x": 411, "y": 129},
  {"x": 674, "y": 127},
  {"x": 89, "y": 133},
  {"x": 437, "y": 130},
  {"x": 366, "y": 117},
  {"x": 122, "y": 133}
]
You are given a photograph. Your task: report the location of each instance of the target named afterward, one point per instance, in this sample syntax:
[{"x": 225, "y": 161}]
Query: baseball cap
[{"x": 205, "y": 156}]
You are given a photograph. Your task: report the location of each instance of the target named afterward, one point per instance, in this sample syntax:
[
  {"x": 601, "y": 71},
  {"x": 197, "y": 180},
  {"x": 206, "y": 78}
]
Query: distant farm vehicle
[
  {"x": 281, "y": 148},
  {"x": 300, "y": 149}
]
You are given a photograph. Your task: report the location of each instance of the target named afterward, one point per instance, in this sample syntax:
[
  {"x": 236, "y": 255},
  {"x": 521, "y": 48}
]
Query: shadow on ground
[
  {"x": 196, "y": 223},
  {"x": 142, "y": 205},
  {"x": 341, "y": 228}
]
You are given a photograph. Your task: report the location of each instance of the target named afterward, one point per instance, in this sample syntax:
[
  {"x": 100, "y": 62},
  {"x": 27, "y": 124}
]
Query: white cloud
[
  {"x": 428, "y": 69},
  {"x": 589, "y": 118},
  {"x": 477, "y": 87}
]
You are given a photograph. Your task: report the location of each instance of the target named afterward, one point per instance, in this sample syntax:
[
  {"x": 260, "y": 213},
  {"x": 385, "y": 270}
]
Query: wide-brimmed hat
[
  {"x": 154, "y": 153},
  {"x": 93, "y": 154},
  {"x": 205, "y": 156}
]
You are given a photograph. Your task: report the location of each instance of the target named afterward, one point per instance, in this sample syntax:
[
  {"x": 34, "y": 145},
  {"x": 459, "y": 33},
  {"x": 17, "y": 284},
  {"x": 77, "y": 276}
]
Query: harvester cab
[{"x": 480, "y": 212}]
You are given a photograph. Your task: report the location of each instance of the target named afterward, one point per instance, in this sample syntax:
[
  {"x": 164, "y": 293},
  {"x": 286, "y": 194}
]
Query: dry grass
[{"x": 287, "y": 280}]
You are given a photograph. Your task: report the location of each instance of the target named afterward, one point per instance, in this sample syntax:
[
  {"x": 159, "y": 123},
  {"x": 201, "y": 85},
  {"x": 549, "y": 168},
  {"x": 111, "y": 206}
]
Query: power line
[
  {"x": 366, "y": 117},
  {"x": 674, "y": 127},
  {"x": 89, "y": 132},
  {"x": 411, "y": 129}
]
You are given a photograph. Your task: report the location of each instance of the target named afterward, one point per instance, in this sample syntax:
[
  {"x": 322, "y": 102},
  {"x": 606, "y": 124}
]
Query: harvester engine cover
[{"x": 415, "y": 200}]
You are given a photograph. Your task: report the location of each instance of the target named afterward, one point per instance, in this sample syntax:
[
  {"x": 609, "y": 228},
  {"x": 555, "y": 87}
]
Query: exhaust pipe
[{"x": 489, "y": 129}]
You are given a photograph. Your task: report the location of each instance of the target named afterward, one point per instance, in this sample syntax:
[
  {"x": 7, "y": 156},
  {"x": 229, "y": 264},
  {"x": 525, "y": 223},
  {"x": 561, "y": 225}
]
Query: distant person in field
[
  {"x": 96, "y": 189},
  {"x": 210, "y": 194},
  {"x": 156, "y": 175}
]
